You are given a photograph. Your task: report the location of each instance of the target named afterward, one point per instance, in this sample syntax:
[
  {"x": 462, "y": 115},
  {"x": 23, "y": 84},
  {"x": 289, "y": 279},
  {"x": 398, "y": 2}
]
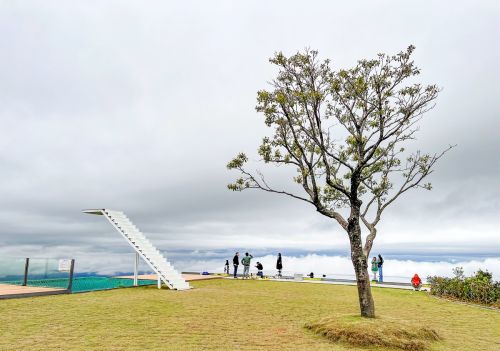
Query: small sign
[{"x": 64, "y": 265}]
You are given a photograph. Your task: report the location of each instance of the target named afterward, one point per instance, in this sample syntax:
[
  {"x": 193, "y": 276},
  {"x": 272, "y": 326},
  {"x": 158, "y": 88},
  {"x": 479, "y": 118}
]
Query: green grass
[{"x": 229, "y": 315}]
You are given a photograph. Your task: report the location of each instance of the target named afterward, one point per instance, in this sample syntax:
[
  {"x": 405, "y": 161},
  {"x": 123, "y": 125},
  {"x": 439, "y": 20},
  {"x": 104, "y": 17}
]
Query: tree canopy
[{"x": 333, "y": 125}]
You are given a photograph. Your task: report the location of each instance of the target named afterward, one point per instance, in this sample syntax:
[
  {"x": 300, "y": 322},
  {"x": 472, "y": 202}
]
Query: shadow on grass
[{"x": 378, "y": 332}]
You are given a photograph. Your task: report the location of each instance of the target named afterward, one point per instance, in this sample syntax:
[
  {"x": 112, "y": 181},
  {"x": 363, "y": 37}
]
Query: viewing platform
[{"x": 10, "y": 291}]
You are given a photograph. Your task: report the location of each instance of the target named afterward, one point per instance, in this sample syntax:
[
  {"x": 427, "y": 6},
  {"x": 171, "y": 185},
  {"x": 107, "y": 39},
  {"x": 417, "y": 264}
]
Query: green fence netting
[{"x": 54, "y": 273}]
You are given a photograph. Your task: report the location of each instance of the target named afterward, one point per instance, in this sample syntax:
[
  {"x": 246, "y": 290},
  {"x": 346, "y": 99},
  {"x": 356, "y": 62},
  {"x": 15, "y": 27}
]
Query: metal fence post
[
  {"x": 71, "y": 271},
  {"x": 136, "y": 269},
  {"x": 26, "y": 267}
]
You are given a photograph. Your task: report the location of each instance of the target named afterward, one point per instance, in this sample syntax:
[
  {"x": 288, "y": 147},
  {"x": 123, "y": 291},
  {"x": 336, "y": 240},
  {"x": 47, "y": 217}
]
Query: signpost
[{"x": 64, "y": 265}]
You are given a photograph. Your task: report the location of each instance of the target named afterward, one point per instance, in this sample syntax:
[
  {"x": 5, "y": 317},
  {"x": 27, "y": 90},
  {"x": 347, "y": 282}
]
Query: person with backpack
[
  {"x": 226, "y": 267},
  {"x": 279, "y": 265},
  {"x": 380, "y": 263},
  {"x": 245, "y": 261},
  {"x": 236, "y": 263},
  {"x": 259, "y": 267}
]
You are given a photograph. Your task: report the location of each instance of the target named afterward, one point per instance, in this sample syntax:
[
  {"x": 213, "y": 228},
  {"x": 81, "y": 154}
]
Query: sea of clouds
[
  {"x": 103, "y": 262},
  {"x": 341, "y": 266}
]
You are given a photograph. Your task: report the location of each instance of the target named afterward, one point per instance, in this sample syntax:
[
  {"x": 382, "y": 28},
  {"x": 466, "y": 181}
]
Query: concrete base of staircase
[{"x": 187, "y": 277}]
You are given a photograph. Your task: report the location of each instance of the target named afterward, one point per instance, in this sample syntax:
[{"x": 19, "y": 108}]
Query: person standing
[
  {"x": 245, "y": 261},
  {"x": 236, "y": 263},
  {"x": 380, "y": 263},
  {"x": 279, "y": 265},
  {"x": 226, "y": 267},
  {"x": 374, "y": 268}
]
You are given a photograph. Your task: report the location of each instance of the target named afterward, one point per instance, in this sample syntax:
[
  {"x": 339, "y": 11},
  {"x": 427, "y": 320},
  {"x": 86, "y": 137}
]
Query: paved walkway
[
  {"x": 187, "y": 277},
  {"x": 8, "y": 291},
  {"x": 373, "y": 285}
]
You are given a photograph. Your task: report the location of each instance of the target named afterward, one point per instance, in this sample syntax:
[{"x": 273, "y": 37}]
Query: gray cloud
[{"x": 138, "y": 107}]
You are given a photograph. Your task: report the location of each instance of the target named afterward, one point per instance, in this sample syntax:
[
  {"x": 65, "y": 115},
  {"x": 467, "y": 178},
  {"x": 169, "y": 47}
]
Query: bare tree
[{"x": 343, "y": 131}]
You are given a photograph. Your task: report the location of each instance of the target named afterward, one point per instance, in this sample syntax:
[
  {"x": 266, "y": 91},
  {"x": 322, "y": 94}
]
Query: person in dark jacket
[
  {"x": 260, "y": 267},
  {"x": 279, "y": 265},
  {"x": 380, "y": 263},
  {"x": 236, "y": 263}
]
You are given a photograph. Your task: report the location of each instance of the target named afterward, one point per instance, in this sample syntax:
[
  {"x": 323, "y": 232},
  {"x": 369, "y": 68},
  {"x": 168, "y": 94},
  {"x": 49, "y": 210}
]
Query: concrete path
[
  {"x": 9, "y": 291},
  {"x": 187, "y": 277},
  {"x": 345, "y": 282}
]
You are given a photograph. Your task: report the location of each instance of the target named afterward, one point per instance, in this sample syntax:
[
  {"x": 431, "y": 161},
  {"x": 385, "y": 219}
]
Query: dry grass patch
[{"x": 385, "y": 333}]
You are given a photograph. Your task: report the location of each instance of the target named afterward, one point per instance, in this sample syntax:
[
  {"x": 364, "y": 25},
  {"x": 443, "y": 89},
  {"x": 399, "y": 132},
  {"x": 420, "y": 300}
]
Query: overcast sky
[{"x": 138, "y": 106}]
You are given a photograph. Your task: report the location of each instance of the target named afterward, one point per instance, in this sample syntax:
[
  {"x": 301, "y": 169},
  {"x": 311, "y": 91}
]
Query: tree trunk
[
  {"x": 360, "y": 263},
  {"x": 366, "y": 304}
]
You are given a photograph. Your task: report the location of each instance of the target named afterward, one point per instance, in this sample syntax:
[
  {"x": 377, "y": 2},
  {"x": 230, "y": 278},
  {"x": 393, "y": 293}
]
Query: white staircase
[{"x": 144, "y": 248}]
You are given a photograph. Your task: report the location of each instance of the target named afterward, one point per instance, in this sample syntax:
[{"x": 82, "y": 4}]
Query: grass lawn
[{"x": 227, "y": 315}]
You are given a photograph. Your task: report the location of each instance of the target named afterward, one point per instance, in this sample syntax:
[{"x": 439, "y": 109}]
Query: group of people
[
  {"x": 245, "y": 261},
  {"x": 377, "y": 264}
]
